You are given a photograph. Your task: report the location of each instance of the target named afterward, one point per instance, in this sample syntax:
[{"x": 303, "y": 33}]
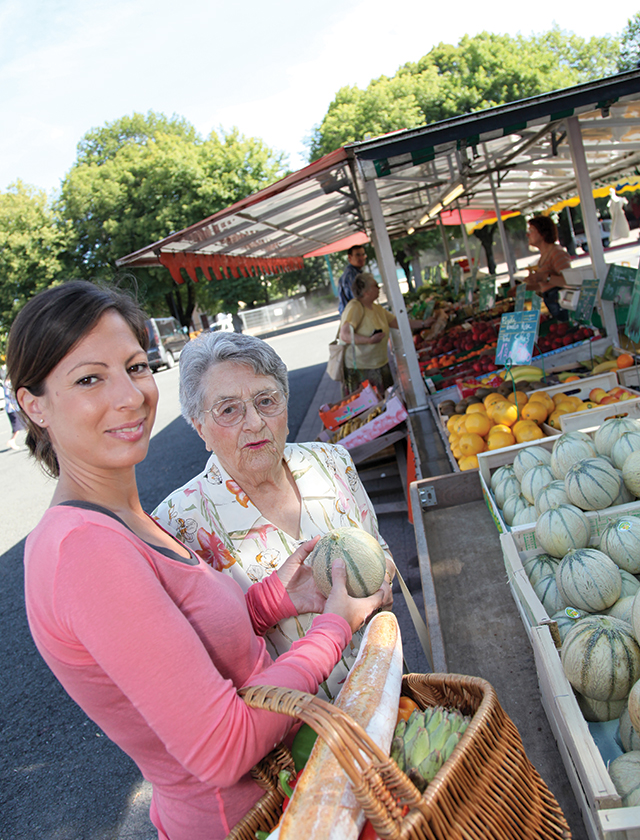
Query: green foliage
[
  {"x": 480, "y": 72},
  {"x": 140, "y": 178},
  {"x": 630, "y": 44},
  {"x": 30, "y": 247}
]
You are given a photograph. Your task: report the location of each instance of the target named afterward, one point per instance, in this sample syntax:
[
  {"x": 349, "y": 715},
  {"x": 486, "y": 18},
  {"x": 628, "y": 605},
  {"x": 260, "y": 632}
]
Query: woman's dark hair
[
  {"x": 360, "y": 283},
  {"x": 546, "y": 228},
  {"x": 49, "y": 327}
]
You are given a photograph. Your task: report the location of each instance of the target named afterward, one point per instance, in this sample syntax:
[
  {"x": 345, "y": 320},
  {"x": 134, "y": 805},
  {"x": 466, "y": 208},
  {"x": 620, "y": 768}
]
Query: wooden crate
[{"x": 595, "y": 793}]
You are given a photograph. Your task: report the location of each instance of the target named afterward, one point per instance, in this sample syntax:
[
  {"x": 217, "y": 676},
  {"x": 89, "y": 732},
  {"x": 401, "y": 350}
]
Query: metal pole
[
  {"x": 445, "y": 246},
  {"x": 416, "y": 270},
  {"x": 408, "y": 368},
  {"x": 333, "y": 282},
  {"x": 591, "y": 226},
  {"x": 465, "y": 237},
  {"x": 503, "y": 233}
]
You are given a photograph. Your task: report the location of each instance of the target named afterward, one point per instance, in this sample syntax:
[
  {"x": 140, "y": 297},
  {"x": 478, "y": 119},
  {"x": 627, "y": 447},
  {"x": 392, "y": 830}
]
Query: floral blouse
[{"x": 215, "y": 517}]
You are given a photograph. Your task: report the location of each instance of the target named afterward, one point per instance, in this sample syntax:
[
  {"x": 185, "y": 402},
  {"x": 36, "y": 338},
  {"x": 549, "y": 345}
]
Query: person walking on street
[
  {"x": 13, "y": 413},
  {"x": 357, "y": 258}
]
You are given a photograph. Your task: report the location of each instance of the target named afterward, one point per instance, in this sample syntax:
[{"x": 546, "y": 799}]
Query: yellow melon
[{"x": 363, "y": 556}]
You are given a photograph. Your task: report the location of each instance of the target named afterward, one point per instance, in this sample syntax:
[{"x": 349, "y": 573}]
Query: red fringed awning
[{"x": 217, "y": 266}]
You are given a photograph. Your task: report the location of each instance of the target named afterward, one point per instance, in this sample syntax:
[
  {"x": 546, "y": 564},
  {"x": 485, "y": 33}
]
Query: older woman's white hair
[{"x": 210, "y": 348}]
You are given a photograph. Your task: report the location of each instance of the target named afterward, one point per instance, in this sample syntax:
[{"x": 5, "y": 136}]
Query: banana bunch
[
  {"x": 600, "y": 364},
  {"x": 355, "y": 422},
  {"x": 423, "y": 743},
  {"x": 523, "y": 373}
]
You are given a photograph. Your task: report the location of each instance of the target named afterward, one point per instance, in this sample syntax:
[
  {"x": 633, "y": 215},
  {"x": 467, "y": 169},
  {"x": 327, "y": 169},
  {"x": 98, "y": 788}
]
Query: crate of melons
[
  {"x": 580, "y": 588},
  {"x": 593, "y": 472}
]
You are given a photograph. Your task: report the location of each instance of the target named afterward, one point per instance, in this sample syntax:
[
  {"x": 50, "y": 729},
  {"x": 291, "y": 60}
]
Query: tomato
[{"x": 406, "y": 708}]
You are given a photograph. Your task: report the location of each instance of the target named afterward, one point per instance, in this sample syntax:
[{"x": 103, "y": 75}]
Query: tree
[
  {"x": 630, "y": 45},
  {"x": 480, "y": 72},
  {"x": 31, "y": 249},
  {"x": 140, "y": 178}
]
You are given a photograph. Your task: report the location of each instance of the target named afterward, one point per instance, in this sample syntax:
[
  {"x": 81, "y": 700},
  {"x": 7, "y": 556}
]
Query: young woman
[{"x": 147, "y": 638}]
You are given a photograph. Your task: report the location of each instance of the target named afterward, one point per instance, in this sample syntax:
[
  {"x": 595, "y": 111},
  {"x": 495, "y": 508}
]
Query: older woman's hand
[
  {"x": 355, "y": 611},
  {"x": 298, "y": 580}
]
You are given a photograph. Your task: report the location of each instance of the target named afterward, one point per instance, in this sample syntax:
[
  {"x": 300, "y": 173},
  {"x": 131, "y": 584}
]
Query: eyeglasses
[{"x": 231, "y": 412}]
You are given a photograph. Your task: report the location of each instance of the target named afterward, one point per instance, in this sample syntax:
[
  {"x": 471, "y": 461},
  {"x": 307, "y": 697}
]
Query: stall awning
[{"x": 520, "y": 147}]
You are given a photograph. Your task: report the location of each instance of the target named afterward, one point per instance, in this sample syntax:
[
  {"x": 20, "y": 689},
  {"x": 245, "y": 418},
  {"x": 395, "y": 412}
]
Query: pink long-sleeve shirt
[{"x": 154, "y": 650}]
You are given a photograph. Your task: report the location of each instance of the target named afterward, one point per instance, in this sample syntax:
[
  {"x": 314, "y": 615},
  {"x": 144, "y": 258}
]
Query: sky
[{"x": 269, "y": 69}]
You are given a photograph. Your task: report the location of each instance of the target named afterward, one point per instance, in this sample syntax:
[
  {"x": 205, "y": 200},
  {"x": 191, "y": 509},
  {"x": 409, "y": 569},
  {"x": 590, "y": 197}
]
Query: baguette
[{"x": 323, "y": 805}]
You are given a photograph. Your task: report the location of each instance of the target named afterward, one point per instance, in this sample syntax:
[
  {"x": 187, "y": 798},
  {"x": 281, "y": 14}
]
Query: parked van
[{"x": 166, "y": 340}]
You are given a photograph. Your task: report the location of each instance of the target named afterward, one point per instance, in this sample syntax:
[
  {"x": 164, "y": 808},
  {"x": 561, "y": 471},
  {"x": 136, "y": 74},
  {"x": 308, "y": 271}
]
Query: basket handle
[{"x": 382, "y": 790}]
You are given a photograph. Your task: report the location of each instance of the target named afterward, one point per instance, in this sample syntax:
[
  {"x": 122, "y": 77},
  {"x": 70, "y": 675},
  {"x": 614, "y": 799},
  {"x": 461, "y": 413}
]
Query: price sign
[
  {"x": 632, "y": 329},
  {"x": 536, "y": 300},
  {"x": 469, "y": 289},
  {"x": 518, "y": 334},
  {"x": 587, "y": 300},
  {"x": 486, "y": 293},
  {"x": 618, "y": 287}
]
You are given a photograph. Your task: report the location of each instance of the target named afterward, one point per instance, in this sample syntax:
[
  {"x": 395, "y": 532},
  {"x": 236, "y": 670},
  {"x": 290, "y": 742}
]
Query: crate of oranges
[{"x": 496, "y": 421}]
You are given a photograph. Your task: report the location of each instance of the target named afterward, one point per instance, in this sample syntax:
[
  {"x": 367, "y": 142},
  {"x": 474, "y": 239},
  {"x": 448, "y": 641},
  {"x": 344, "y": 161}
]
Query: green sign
[
  {"x": 587, "y": 300},
  {"x": 536, "y": 300},
  {"x": 632, "y": 329},
  {"x": 518, "y": 334},
  {"x": 469, "y": 289},
  {"x": 486, "y": 293},
  {"x": 618, "y": 287}
]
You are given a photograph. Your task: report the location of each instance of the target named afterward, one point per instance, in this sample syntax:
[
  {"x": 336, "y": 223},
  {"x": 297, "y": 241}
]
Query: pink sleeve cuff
[{"x": 268, "y": 603}]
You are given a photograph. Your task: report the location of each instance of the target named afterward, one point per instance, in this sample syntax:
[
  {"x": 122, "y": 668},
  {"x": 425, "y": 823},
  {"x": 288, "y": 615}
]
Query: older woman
[
  {"x": 147, "y": 638},
  {"x": 366, "y": 324},
  {"x": 258, "y": 497}
]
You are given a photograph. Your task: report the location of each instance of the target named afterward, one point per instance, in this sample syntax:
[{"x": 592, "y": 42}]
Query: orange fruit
[
  {"x": 519, "y": 396},
  {"x": 505, "y": 414},
  {"x": 528, "y": 430},
  {"x": 572, "y": 379},
  {"x": 566, "y": 405},
  {"x": 469, "y": 462},
  {"x": 476, "y": 408},
  {"x": 452, "y": 423},
  {"x": 478, "y": 423},
  {"x": 491, "y": 398},
  {"x": 554, "y": 418},
  {"x": 535, "y": 410},
  {"x": 558, "y": 398},
  {"x": 501, "y": 439},
  {"x": 495, "y": 405},
  {"x": 471, "y": 444},
  {"x": 499, "y": 427},
  {"x": 624, "y": 360}
]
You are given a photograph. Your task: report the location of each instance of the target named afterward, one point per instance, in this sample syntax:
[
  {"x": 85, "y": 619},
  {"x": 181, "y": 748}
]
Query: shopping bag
[{"x": 335, "y": 365}]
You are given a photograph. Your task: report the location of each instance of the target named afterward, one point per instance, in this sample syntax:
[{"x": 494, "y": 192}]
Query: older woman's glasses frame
[{"x": 231, "y": 412}]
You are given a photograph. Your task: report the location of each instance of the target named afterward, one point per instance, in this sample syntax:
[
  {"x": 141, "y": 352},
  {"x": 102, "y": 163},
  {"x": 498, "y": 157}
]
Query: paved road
[{"x": 60, "y": 777}]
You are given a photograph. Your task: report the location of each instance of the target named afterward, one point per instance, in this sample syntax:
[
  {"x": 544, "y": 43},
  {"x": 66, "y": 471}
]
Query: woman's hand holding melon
[
  {"x": 355, "y": 611},
  {"x": 298, "y": 580}
]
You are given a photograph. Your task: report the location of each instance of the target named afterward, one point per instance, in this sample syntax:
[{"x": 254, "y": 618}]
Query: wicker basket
[{"x": 487, "y": 789}]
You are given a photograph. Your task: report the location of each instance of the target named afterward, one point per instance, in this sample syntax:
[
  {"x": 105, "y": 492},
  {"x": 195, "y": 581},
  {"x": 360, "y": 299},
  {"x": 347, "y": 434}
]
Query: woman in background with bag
[{"x": 364, "y": 328}]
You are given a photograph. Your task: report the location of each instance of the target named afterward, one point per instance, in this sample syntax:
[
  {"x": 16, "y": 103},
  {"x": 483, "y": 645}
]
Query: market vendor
[
  {"x": 258, "y": 496},
  {"x": 547, "y": 278}
]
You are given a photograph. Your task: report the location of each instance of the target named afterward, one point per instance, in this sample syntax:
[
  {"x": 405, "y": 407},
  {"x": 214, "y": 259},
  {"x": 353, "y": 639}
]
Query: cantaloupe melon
[
  {"x": 363, "y": 556},
  {"x": 629, "y": 738},
  {"x": 633, "y": 705},
  {"x": 620, "y": 540},
  {"x": 550, "y": 496},
  {"x": 622, "y": 609},
  {"x": 630, "y": 583},
  {"x": 510, "y": 486},
  {"x": 609, "y": 432},
  {"x": 512, "y": 505},
  {"x": 625, "y": 496},
  {"x": 538, "y": 566},
  {"x": 599, "y": 711},
  {"x": 627, "y": 443},
  {"x": 592, "y": 484},
  {"x": 561, "y": 529},
  {"x": 601, "y": 658},
  {"x": 589, "y": 580},
  {"x": 631, "y": 473},
  {"x": 530, "y": 456},
  {"x": 569, "y": 450},
  {"x": 625, "y": 775},
  {"x": 534, "y": 480},
  {"x": 566, "y": 619},
  {"x": 500, "y": 474},
  {"x": 526, "y": 516},
  {"x": 547, "y": 591}
]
